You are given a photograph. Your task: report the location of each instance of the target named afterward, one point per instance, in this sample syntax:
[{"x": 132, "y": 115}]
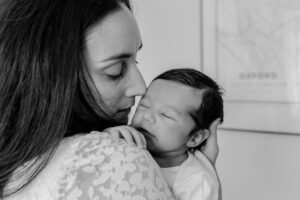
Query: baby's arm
[{"x": 128, "y": 133}]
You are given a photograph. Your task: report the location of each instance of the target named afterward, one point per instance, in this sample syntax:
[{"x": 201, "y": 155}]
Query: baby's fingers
[
  {"x": 118, "y": 132},
  {"x": 138, "y": 137},
  {"x": 125, "y": 133},
  {"x": 114, "y": 133},
  {"x": 129, "y": 134}
]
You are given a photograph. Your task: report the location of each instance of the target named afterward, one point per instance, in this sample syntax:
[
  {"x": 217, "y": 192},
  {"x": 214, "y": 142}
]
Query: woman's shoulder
[
  {"x": 96, "y": 166},
  {"x": 98, "y": 147},
  {"x": 92, "y": 141}
]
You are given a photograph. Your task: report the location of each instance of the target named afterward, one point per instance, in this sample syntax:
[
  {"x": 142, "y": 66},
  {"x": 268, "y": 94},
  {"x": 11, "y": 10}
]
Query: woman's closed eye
[
  {"x": 118, "y": 71},
  {"x": 116, "y": 77}
]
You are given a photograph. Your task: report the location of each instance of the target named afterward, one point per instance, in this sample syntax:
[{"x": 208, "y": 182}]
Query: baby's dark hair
[{"x": 211, "y": 106}]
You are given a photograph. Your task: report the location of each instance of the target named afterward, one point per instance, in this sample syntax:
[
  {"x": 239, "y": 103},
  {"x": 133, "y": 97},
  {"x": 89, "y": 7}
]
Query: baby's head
[{"x": 178, "y": 106}]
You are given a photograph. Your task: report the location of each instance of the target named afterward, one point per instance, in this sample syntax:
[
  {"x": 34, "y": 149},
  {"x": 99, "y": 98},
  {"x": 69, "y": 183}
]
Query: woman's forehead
[{"x": 117, "y": 34}]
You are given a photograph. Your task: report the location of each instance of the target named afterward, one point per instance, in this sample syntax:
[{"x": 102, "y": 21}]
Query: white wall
[
  {"x": 259, "y": 166},
  {"x": 251, "y": 165},
  {"x": 170, "y": 32}
]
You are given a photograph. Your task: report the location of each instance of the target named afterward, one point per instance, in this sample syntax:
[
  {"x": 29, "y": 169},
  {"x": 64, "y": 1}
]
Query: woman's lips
[{"x": 127, "y": 110}]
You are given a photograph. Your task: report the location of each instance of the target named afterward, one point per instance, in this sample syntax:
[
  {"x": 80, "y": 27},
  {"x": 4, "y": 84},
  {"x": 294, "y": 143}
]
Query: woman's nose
[{"x": 136, "y": 84}]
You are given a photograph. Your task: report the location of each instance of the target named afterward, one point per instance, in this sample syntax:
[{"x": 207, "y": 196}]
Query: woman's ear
[{"x": 197, "y": 138}]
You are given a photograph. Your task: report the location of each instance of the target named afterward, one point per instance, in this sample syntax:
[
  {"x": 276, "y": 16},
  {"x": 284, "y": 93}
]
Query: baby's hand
[{"x": 130, "y": 134}]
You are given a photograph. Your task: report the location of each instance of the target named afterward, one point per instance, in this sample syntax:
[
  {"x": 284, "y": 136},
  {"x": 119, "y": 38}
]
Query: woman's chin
[{"x": 122, "y": 117}]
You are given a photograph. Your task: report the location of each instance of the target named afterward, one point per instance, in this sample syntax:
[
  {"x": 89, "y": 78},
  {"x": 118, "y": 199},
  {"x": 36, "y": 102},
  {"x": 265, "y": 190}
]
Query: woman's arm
[{"x": 211, "y": 149}]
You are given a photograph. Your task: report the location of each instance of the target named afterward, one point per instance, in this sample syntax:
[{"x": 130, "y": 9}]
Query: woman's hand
[
  {"x": 211, "y": 147},
  {"x": 128, "y": 133}
]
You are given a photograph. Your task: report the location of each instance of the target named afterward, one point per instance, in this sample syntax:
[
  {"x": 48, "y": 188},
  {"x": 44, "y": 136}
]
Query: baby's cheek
[{"x": 136, "y": 119}]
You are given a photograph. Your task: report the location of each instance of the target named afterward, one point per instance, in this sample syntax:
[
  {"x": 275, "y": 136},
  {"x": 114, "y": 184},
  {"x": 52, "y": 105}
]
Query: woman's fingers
[
  {"x": 211, "y": 147},
  {"x": 214, "y": 126}
]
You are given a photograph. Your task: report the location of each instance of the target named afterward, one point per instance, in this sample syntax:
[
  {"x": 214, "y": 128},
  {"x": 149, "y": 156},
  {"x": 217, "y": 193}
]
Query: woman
[{"x": 68, "y": 68}]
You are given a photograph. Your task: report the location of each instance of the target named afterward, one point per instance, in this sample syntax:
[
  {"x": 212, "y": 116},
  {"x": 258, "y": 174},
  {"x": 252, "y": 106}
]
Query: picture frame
[{"x": 252, "y": 49}]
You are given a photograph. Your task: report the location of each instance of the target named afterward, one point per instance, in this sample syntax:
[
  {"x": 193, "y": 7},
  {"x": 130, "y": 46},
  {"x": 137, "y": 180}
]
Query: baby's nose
[{"x": 149, "y": 117}]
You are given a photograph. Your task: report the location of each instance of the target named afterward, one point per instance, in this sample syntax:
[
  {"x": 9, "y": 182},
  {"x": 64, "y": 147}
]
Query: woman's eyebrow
[
  {"x": 118, "y": 57},
  {"x": 121, "y": 55}
]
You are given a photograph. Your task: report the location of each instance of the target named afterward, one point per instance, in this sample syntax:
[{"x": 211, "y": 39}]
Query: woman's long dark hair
[{"x": 43, "y": 92}]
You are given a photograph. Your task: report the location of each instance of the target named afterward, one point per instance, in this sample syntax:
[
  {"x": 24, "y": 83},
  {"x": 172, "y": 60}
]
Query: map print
[{"x": 258, "y": 50}]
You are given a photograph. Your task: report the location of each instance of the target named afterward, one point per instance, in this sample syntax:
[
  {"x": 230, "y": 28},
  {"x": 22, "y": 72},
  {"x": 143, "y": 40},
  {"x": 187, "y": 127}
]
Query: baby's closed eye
[{"x": 168, "y": 115}]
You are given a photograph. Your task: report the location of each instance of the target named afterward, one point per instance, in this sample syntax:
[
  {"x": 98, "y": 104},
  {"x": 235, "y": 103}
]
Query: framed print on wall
[{"x": 252, "y": 48}]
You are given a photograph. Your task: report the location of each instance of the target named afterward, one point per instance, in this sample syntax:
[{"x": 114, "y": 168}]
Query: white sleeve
[{"x": 196, "y": 181}]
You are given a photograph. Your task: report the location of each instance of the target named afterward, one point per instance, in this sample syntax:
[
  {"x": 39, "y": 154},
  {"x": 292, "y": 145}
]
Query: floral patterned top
[{"x": 95, "y": 167}]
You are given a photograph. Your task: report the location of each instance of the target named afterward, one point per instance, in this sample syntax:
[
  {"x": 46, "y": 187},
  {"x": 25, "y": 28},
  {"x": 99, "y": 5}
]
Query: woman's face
[{"x": 111, "y": 50}]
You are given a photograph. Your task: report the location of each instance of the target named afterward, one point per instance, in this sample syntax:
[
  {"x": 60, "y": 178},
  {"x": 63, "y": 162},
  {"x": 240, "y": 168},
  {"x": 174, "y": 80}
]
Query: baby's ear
[{"x": 197, "y": 138}]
